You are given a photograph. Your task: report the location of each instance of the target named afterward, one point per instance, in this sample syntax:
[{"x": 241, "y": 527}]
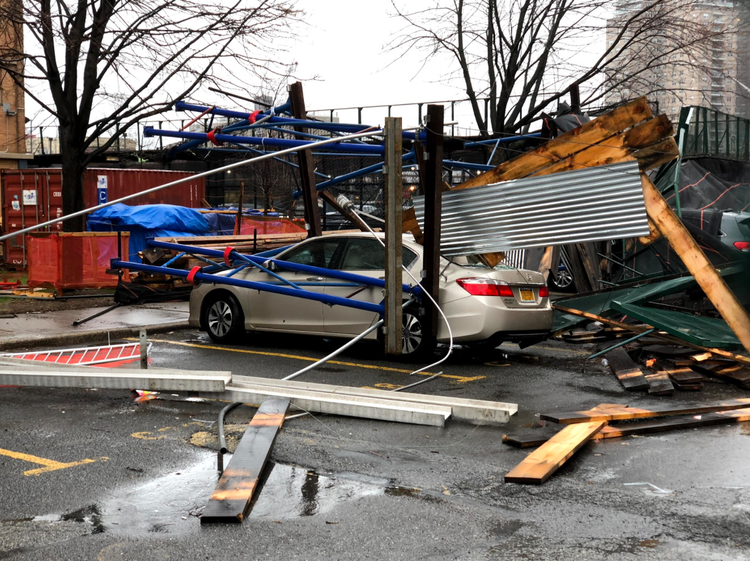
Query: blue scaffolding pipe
[
  {"x": 319, "y": 271},
  {"x": 503, "y": 140},
  {"x": 283, "y": 161},
  {"x": 375, "y": 168},
  {"x": 274, "y": 120},
  {"x": 263, "y": 286},
  {"x": 274, "y": 142},
  {"x": 286, "y": 107},
  {"x": 284, "y": 121}
]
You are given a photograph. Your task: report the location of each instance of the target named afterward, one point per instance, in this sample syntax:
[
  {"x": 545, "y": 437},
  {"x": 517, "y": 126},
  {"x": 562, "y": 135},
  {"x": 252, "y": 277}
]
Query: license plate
[{"x": 527, "y": 295}]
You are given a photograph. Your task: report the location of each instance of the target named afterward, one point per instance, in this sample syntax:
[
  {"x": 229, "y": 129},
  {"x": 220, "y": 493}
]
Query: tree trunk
[{"x": 72, "y": 180}]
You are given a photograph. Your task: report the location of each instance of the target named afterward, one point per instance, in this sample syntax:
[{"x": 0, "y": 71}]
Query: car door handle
[{"x": 315, "y": 279}]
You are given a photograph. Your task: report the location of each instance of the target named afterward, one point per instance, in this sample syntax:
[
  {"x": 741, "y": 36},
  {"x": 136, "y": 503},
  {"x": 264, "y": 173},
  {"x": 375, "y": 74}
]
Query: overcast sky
[{"x": 344, "y": 44}]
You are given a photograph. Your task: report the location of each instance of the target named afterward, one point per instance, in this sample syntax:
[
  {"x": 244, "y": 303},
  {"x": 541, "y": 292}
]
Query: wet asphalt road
[{"x": 342, "y": 488}]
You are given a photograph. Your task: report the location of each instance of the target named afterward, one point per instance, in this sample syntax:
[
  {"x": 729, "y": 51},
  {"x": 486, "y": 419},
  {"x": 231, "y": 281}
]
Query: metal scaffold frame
[{"x": 234, "y": 261}]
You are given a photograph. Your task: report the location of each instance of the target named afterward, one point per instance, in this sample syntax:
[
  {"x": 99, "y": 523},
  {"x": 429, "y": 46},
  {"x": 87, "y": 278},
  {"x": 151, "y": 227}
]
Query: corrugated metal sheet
[
  {"x": 515, "y": 258},
  {"x": 599, "y": 203}
]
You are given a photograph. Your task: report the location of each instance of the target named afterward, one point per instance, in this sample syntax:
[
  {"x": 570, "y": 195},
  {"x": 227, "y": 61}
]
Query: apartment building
[{"x": 693, "y": 57}]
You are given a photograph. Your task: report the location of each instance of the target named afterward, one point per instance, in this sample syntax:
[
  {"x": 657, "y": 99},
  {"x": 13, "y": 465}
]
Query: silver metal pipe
[
  {"x": 186, "y": 179},
  {"x": 337, "y": 351}
]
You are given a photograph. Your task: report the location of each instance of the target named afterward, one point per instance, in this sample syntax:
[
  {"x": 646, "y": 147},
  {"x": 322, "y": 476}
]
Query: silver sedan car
[{"x": 482, "y": 305}]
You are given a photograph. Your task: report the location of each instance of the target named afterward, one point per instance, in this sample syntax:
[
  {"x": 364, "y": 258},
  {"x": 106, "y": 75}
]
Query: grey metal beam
[
  {"x": 115, "y": 378},
  {"x": 471, "y": 410},
  {"x": 346, "y": 405},
  {"x": 394, "y": 198}
]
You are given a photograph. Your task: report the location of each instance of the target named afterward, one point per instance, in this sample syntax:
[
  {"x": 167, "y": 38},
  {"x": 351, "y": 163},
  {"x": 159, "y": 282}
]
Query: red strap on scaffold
[
  {"x": 191, "y": 275},
  {"x": 253, "y": 117},
  {"x": 227, "y": 251},
  {"x": 211, "y": 135}
]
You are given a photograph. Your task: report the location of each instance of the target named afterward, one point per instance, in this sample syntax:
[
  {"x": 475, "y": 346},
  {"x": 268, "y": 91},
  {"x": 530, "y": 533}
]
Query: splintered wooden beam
[
  {"x": 648, "y": 147},
  {"x": 628, "y": 372},
  {"x": 543, "y": 462},
  {"x": 234, "y": 491},
  {"x": 593, "y": 132},
  {"x": 705, "y": 274},
  {"x": 537, "y": 438},
  {"x": 625, "y": 413}
]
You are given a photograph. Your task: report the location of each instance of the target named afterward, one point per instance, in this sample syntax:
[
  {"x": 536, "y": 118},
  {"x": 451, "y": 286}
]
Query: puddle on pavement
[{"x": 173, "y": 503}]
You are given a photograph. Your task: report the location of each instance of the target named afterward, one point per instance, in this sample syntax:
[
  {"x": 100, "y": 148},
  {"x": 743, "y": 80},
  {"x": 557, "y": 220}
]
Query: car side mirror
[{"x": 271, "y": 265}]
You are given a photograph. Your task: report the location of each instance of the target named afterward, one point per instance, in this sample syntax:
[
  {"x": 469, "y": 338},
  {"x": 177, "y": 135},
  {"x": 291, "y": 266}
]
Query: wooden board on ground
[
  {"x": 543, "y": 462},
  {"x": 234, "y": 491},
  {"x": 659, "y": 383},
  {"x": 471, "y": 410},
  {"x": 736, "y": 375},
  {"x": 686, "y": 379},
  {"x": 614, "y": 414},
  {"x": 539, "y": 437},
  {"x": 628, "y": 372}
]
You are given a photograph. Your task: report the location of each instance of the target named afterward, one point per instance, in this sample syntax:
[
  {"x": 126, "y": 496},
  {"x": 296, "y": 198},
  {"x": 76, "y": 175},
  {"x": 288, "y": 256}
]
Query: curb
[{"x": 81, "y": 337}]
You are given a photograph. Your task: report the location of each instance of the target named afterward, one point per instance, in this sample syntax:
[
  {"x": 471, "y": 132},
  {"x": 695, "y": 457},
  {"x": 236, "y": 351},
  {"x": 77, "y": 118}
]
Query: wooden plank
[
  {"x": 347, "y": 405},
  {"x": 411, "y": 225},
  {"x": 471, "y": 410},
  {"x": 660, "y": 153},
  {"x": 654, "y": 151},
  {"x": 641, "y": 328},
  {"x": 537, "y": 438},
  {"x": 113, "y": 378},
  {"x": 659, "y": 383},
  {"x": 696, "y": 262},
  {"x": 218, "y": 240},
  {"x": 628, "y": 372},
  {"x": 626, "y": 413},
  {"x": 736, "y": 375},
  {"x": 593, "y": 132},
  {"x": 543, "y": 462},
  {"x": 234, "y": 491},
  {"x": 346, "y": 213}
]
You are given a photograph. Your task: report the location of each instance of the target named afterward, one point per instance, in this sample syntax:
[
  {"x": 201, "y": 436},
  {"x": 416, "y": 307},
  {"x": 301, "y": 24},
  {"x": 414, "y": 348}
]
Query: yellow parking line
[
  {"x": 49, "y": 465},
  {"x": 460, "y": 379}
]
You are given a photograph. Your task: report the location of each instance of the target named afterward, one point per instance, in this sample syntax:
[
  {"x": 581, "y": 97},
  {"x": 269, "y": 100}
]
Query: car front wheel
[{"x": 223, "y": 318}]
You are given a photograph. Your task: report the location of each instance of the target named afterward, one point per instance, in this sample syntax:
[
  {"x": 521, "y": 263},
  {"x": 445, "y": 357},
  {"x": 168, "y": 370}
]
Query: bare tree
[
  {"x": 100, "y": 66},
  {"x": 524, "y": 55}
]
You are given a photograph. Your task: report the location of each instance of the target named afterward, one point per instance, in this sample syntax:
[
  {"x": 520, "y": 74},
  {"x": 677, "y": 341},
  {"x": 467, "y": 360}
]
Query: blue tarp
[
  {"x": 220, "y": 224},
  {"x": 146, "y": 222}
]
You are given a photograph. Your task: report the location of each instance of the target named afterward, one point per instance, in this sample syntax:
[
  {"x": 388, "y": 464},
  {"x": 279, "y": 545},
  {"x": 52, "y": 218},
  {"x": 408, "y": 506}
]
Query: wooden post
[
  {"x": 717, "y": 291},
  {"x": 348, "y": 214},
  {"x": 432, "y": 214},
  {"x": 306, "y": 169},
  {"x": 394, "y": 198},
  {"x": 144, "y": 349},
  {"x": 238, "y": 221}
]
